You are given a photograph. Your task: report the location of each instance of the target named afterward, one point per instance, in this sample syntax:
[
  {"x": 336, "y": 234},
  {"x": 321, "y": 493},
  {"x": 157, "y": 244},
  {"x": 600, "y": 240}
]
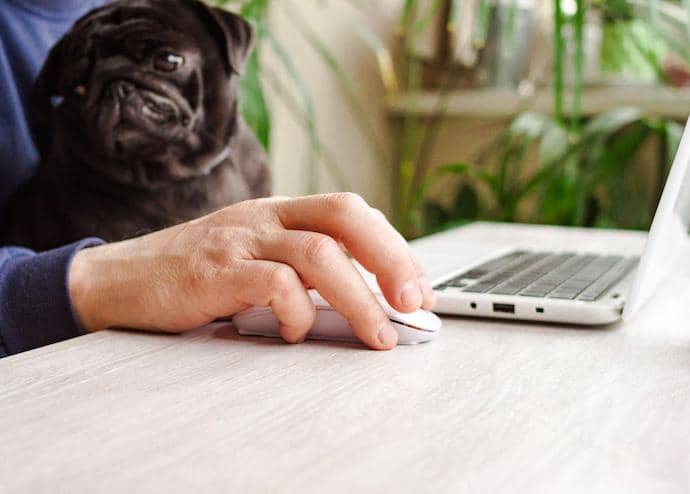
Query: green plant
[
  {"x": 635, "y": 43},
  {"x": 412, "y": 167},
  {"x": 412, "y": 164},
  {"x": 668, "y": 20},
  {"x": 254, "y": 106},
  {"x": 583, "y": 173},
  {"x": 586, "y": 179}
]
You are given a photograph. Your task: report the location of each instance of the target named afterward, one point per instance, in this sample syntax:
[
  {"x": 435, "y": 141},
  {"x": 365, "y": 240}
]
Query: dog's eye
[{"x": 168, "y": 62}]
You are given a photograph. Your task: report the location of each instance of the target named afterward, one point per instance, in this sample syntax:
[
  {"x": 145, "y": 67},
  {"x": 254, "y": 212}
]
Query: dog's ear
[
  {"x": 46, "y": 95},
  {"x": 235, "y": 35}
]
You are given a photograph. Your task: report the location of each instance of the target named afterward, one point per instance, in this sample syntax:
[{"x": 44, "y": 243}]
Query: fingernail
[
  {"x": 410, "y": 295},
  {"x": 387, "y": 335}
]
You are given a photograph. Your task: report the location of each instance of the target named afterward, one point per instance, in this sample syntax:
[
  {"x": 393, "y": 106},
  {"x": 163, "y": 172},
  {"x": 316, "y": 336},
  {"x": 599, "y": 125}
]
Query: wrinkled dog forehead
[
  {"x": 128, "y": 29},
  {"x": 193, "y": 20},
  {"x": 224, "y": 38}
]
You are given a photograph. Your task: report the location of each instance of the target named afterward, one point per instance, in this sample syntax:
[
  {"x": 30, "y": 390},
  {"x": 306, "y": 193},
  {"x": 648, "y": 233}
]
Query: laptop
[{"x": 573, "y": 287}]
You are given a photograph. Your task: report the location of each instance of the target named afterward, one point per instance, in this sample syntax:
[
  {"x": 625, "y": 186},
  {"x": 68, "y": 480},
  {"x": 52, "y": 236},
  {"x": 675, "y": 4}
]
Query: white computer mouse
[{"x": 414, "y": 327}]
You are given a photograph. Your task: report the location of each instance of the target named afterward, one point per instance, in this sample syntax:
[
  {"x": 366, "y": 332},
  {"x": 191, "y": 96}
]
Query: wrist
[{"x": 86, "y": 293}]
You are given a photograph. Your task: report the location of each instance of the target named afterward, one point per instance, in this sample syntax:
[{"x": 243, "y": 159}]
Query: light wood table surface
[{"x": 487, "y": 407}]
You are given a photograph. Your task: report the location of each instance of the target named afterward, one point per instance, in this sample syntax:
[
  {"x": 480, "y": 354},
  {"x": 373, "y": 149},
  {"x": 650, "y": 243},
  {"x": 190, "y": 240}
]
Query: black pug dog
[{"x": 136, "y": 119}]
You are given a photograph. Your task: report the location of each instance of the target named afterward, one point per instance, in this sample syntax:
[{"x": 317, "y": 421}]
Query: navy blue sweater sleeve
[{"x": 35, "y": 306}]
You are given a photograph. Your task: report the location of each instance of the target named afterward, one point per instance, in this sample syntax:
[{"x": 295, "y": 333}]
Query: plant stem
[
  {"x": 558, "y": 62},
  {"x": 403, "y": 174},
  {"x": 428, "y": 138},
  {"x": 579, "y": 64}
]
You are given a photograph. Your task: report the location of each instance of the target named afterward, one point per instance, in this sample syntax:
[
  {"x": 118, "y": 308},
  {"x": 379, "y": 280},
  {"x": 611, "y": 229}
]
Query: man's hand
[{"x": 261, "y": 252}]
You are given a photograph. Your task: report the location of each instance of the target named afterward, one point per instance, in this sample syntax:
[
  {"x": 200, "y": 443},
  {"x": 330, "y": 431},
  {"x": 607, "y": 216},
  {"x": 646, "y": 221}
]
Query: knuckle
[
  {"x": 281, "y": 279},
  {"x": 379, "y": 214},
  {"x": 345, "y": 202},
  {"x": 216, "y": 236},
  {"x": 208, "y": 268},
  {"x": 248, "y": 213},
  {"x": 216, "y": 249},
  {"x": 320, "y": 250},
  {"x": 272, "y": 208},
  {"x": 204, "y": 268}
]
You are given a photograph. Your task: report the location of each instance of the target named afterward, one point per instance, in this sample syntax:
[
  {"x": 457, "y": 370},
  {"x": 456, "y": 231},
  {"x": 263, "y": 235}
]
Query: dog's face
[{"x": 143, "y": 91}]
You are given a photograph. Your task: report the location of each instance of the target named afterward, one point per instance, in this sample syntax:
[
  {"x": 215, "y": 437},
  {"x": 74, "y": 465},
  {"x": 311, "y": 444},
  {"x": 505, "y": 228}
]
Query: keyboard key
[
  {"x": 533, "y": 293},
  {"x": 492, "y": 265},
  {"x": 505, "y": 290},
  {"x": 474, "y": 274},
  {"x": 563, "y": 294},
  {"x": 478, "y": 288},
  {"x": 563, "y": 276},
  {"x": 489, "y": 267},
  {"x": 597, "y": 289},
  {"x": 455, "y": 282}
]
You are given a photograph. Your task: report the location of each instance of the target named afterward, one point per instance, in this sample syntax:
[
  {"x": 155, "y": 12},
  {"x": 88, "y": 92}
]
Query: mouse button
[
  {"x": 412, "y": 336},
  {"x": 421, "y": 320},
  {"x": 252, "y": 313},
  {"x": 318, "y": 301},
  {"x": 330, "y": 325},
  {"x": 388, "y": 308},
  {"x": 257, "y": 322}
]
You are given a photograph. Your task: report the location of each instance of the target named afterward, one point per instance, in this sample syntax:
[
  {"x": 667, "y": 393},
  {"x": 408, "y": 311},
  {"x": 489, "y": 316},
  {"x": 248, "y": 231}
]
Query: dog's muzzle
[{"x": 138, "y": 105}]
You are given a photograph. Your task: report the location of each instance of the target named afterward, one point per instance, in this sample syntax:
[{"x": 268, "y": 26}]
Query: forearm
[{"x": 35, "y": 305}]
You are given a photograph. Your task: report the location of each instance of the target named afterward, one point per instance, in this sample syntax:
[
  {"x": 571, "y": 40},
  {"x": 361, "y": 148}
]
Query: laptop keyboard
[{"x": 564, "y": 276}]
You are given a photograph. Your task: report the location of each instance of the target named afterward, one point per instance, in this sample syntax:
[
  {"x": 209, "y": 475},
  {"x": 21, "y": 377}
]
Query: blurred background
[{"x": 442, "y": 112}]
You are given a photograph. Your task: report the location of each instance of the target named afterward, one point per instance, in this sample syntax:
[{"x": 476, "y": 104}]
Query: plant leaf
[
  {"x": 603, "y": 125},
  {"x": 253, "y": 103},
  {"x": 466, "y": 204}
]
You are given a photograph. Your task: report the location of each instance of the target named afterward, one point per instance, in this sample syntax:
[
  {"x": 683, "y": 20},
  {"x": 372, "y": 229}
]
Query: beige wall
[{"x": 336, "y": 23}]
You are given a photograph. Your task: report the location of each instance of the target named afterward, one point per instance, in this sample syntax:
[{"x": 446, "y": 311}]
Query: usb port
[{"x": 509, "y": 308}]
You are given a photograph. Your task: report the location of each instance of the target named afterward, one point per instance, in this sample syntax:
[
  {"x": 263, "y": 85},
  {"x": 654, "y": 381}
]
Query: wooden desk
[{"x": 487, "y": 407}]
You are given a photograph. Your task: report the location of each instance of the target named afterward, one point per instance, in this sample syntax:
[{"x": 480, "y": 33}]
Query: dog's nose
[{"x": 124, "y": 89}]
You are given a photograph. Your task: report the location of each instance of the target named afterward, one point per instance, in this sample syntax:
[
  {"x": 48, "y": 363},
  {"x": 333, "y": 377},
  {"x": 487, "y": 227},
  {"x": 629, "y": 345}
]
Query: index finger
[{"x": 368, "y": 236}]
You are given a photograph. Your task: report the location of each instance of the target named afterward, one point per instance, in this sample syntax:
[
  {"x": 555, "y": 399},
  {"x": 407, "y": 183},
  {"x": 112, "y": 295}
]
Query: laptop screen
[{"x": 669, "y": 239}]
